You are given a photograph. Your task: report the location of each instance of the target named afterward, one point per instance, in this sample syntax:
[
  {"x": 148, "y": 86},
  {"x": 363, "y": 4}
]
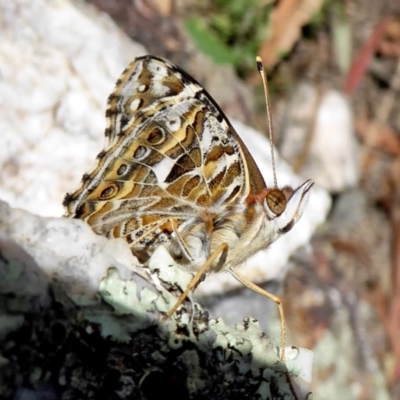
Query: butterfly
[{"x": 176, "y": 173}]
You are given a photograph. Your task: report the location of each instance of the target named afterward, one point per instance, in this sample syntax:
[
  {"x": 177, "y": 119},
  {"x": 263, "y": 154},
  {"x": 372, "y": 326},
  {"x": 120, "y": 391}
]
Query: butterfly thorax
[{"x": 245, "y": 227}]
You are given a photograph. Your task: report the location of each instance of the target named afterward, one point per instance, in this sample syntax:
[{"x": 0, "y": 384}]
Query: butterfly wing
[{"x": 171, "y": 154}]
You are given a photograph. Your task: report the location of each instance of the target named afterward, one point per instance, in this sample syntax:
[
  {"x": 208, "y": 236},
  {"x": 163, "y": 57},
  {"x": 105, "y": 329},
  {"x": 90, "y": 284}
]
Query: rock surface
[{"x": 92, "y": 323}]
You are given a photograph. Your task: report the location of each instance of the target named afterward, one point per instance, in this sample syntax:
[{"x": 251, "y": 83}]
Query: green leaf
[{"x": 208, "y": 43}]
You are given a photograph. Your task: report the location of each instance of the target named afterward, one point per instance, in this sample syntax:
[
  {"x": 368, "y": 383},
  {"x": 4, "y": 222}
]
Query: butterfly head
[{"x": 285, "y": 206}]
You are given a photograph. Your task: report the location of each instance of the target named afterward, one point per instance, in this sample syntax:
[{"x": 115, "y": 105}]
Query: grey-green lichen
[{"x": 93, "y": 325}]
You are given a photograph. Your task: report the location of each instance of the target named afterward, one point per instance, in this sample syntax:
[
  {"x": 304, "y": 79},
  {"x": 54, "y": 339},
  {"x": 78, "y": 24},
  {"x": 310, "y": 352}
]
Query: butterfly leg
[
  {"x": 180, "y": 240},
  {"x": 223, "y": 248},
  {"x": 274, "y": 298}
]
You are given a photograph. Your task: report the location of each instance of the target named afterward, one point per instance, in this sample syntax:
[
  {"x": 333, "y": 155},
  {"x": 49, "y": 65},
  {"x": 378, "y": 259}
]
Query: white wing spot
[
  {"x": 135, "y": 104},
  {"x": 174, "y": 123}
]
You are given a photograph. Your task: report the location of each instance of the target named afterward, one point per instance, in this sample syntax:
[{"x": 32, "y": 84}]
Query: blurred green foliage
[{"x": 230, "y": 31}]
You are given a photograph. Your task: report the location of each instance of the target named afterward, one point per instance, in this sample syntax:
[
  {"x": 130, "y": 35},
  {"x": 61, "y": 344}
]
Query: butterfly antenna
[{"x": 263, "y": 75}]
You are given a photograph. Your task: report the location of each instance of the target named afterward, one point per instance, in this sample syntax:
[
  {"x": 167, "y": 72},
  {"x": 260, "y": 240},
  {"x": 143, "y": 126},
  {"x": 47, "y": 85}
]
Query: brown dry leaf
[
  {"x": 287, "y": 20},
  {"x": 163, "y": 6},
  {"x": 378, "y": 135},
  {"x": 390, "y": 43}
]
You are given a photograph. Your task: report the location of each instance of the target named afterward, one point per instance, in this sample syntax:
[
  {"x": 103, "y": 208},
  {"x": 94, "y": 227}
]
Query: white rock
[
  {"x": 58, "y": 65},
  {"x": 332, "y": 156}
]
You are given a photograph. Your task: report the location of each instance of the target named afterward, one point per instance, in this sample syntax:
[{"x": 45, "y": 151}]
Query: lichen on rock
[{"x": 91, "y": 321}]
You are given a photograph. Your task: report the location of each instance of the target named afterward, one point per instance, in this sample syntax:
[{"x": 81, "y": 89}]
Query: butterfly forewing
[{"x": 171, "y": 154}]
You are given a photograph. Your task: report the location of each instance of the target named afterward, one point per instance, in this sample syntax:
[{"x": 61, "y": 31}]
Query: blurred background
[{"x": 334, "y": 76}]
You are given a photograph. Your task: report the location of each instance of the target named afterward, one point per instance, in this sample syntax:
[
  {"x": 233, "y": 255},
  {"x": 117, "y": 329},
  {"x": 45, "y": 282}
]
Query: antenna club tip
[{"x": 259, "y": 63}]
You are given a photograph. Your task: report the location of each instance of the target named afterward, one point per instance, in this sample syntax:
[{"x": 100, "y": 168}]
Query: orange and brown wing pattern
[{"x": 171, "y": 154}]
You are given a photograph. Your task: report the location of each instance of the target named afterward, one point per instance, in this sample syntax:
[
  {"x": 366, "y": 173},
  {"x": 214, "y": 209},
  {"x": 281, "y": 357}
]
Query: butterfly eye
[{"x": 276, "y": 201}]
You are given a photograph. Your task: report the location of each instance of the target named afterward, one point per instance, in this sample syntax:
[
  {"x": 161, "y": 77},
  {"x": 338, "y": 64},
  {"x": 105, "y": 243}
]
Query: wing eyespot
[
  {"x": 109, "y": 192},
  {"x": 140, "y": 153},
  {"x": 156, "y": 136},
  {"x": 122, "y": 169}
]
